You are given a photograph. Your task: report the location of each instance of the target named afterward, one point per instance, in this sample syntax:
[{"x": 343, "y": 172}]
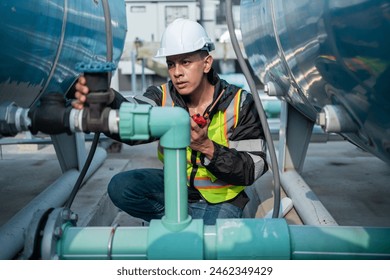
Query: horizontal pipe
[
  {"x": 228, "y": 239},
  {"x": 106, "y": 243},
  {"x": 335, "y": 242},
  {"x": 309, "y": 207}
]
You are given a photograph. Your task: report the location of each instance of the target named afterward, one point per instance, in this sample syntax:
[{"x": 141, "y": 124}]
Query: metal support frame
[
  {"x": 294, "y": 139},
  {"x": 70, "y": 150}
]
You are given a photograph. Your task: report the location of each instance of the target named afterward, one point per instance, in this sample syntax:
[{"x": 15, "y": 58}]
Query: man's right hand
[{"x": 81, "y": 93}]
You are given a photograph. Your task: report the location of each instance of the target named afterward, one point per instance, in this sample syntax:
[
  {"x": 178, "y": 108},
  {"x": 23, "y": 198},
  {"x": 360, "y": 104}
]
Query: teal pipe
[
  {"x": 172, "y": 126},
  {"x": 131, "y": 243},
  {"x": 261, "y": 239},
  {"x": 177, "y": 236},
  {"x": 94, "y": 243},
  {"x": 165, "y": 244},
  {"x": 210, "y": 243},
  {"x": 337, "y": 242},
  {"x": 134, "y": 121},
  {"x": 175, "y": 193},
  {"x": 229, "y": 239}
]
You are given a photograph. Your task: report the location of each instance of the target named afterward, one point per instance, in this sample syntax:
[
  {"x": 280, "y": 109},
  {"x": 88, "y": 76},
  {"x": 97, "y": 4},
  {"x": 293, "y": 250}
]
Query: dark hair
[{"x": 203, "y": 53}]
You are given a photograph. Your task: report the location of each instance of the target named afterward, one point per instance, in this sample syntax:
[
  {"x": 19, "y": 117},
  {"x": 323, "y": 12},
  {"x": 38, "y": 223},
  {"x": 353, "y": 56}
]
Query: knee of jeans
[
  {"x": 113, "y": 189},
  {"x": 230, "y": 211},
  {"x": 122, "y": 187}
]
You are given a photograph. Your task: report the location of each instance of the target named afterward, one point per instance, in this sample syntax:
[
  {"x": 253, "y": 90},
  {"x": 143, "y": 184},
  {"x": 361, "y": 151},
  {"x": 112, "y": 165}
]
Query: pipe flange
[
  {"x": 54, "y": 230},
  {"x": 34, "y": 234}
]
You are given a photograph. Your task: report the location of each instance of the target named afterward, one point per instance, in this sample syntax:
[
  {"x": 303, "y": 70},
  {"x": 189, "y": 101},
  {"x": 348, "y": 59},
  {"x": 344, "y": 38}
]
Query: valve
[{"x": 96, "y": 113}]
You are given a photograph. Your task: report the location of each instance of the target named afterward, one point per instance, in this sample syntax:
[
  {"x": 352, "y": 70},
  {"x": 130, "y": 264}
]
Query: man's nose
[{"x": 177, "y": 71}]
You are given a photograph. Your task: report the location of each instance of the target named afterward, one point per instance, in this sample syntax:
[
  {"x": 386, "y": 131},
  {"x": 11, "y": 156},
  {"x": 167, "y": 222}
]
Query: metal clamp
[{"x": 110, "y": 241}]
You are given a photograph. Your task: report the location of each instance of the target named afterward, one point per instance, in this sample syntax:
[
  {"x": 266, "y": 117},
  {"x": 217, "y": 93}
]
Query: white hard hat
[{"x": 184, "y": 36}]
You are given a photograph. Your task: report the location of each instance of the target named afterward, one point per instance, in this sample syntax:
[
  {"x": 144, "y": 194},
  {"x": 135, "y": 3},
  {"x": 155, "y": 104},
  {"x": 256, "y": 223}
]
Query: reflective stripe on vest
[
  {"x": 166, "y": 96},
  {"x": 220, "y": 128}
]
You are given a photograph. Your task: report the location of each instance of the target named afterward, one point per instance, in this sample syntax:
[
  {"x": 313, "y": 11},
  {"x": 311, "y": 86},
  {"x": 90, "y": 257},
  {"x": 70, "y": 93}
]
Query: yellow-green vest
[{"x": 222, "y": 123}]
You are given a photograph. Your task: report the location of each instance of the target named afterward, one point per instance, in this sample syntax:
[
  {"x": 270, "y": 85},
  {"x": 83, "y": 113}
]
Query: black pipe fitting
[
  {"x": 96, "y": 110},
  {"x": 51, "y": 116}
]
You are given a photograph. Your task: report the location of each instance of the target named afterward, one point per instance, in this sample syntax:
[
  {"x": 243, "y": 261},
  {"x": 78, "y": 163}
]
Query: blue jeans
[{"x": 140, "y": 193}]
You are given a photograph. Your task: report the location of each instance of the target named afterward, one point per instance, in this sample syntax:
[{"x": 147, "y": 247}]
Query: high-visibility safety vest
[{"x": 212, "y": 189}]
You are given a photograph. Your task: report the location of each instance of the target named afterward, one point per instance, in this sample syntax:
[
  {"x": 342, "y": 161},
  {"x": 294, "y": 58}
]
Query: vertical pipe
[
  {"x": 143, "y": 75},
  {"x": 210, "y": 243},
  {"x": 133, "y": 73},
  {"x": 175, "y": 183},
  {"x": 259, "y": 107},
  {"x": 172, "y": 125}
]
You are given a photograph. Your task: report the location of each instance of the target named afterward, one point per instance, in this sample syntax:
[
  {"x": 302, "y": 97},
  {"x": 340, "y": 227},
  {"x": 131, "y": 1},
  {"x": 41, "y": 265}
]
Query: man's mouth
[{"x": 181, "y": 84}]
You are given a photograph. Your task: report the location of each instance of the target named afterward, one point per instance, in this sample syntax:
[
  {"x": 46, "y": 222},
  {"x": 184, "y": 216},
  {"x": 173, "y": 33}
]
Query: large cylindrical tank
[
  {"x": 43, "y": 40},
  {"x": 326, "y": 52}
]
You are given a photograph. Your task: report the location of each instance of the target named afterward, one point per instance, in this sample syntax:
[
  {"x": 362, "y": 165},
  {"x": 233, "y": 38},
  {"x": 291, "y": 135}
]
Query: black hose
[
  {"x": 259, "y": 107},
  {"x": 108, "y": 28},
  {"x": 95, "y": 141},
  {"x": 80, "y": 179}
]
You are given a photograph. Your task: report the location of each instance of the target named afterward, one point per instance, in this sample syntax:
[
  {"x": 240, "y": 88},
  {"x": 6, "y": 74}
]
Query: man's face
[{"x": 187, "y": 71}]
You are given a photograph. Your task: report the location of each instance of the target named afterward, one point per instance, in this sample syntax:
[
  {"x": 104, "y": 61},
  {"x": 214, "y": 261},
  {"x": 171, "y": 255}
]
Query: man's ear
[{"x": 208, "y": 62}]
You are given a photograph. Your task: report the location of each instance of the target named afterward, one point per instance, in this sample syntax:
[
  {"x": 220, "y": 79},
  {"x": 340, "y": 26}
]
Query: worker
[{"x": 227, "y": 149}]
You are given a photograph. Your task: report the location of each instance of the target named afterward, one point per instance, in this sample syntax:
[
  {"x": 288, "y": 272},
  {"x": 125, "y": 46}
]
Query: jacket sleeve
[{"x": 245, "y": 159}]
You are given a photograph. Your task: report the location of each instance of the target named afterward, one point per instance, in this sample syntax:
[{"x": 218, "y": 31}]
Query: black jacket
[{"x": 232, "y": 166}]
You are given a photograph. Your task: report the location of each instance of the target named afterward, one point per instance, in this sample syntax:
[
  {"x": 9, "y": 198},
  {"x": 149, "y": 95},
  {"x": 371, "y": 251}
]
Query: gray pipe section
[
  {"x": 310, "y": 209},
  {"x": 12, "y": 233}
]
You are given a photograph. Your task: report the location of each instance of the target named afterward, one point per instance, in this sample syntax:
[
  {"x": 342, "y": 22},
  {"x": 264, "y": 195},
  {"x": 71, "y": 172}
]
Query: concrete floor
[{"x": 353, "y": 185}]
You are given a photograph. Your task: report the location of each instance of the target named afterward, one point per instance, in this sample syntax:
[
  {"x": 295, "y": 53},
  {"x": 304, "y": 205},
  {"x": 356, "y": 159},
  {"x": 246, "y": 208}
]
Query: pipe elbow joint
[
  {"x": 172, "y": 125},
  {"x": 140, "y": 122}
]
